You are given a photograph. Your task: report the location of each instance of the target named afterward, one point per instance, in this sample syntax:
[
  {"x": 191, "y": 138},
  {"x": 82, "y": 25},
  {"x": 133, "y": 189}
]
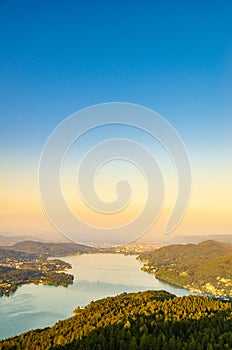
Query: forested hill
[
  {"x": 50, "y": 249},
  {"x": 205, "y": 267},
  {"x": 146, "y": 320},
  {"x": 12, "y": 254}
]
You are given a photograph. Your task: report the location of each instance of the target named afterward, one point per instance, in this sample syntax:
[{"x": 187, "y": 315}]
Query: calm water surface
[{"x": 96, "y": 276}]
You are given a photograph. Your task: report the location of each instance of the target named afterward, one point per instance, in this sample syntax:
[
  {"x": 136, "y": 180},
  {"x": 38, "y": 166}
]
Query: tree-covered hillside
[
  {"x": 12, "y": 254},
  {"x": 51, "y": 249},
  {"x": 146, "y": 320},
  {"x": 205, "y": 267}
]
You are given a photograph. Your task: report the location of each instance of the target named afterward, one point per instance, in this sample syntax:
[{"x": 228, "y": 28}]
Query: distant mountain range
[
  {"x": 172, "y": 239},
  {"x": 8, "y": 238}
]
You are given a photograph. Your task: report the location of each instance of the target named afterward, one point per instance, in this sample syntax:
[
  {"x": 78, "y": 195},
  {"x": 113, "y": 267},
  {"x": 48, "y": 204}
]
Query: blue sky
[{"x": 57, "y": 57}]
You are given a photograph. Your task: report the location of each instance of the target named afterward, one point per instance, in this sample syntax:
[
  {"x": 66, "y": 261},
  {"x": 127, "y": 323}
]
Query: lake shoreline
[{"x": 96, "y": 276}]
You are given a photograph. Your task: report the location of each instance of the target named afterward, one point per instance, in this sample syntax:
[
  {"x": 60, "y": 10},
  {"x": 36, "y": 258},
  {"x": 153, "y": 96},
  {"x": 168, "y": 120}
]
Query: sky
[{"x": 58, "y": 57}]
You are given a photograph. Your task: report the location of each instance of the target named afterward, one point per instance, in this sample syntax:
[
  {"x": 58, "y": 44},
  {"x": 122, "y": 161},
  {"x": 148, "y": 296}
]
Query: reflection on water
[{"x": 96, "y": 276}]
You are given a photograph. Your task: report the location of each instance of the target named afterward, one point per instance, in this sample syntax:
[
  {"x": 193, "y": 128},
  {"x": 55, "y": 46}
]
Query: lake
[{"x": 96, "y": 276}]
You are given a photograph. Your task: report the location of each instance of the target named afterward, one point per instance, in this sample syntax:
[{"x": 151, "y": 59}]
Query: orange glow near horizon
[{"x": 209, "y": 211}]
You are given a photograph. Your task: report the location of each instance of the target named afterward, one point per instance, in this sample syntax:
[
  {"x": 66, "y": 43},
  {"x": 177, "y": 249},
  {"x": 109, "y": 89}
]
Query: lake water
[{"x": 96, "y": 276}]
